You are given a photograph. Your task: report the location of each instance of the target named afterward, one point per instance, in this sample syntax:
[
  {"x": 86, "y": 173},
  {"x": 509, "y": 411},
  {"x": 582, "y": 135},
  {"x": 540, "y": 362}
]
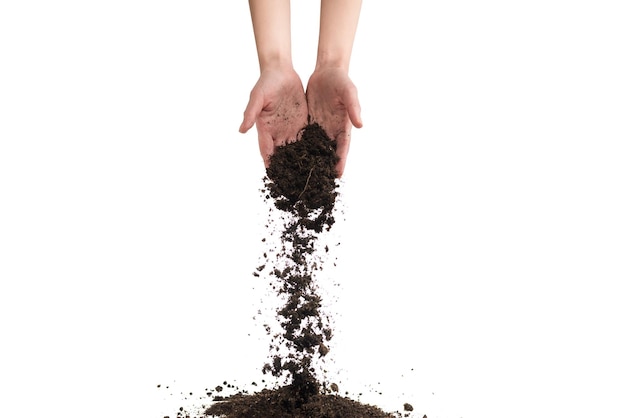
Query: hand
[
  {"x": 278, "y": 107},
  {"x": 334, "y": 105}
]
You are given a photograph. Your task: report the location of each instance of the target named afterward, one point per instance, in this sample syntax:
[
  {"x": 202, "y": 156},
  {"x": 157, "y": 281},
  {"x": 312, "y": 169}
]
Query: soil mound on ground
[{"x": 282, "y": 403}]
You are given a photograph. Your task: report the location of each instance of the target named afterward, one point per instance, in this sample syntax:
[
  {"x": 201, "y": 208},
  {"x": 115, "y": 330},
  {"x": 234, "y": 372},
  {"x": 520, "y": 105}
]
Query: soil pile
[
  {"x": 301, "y": 182},
  {"x": 281, "y": 403}
]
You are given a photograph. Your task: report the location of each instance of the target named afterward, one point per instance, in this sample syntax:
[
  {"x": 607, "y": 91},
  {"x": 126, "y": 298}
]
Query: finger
[
  {"x": 340, "y": 167},
  {"x": 354, "y": 107},
  {"x": 252, "y": 112},
  {"x": 266, "y": 146},
  {"x": 354, "y": 112},
  {"x": 343, "y": 145},
  {"x": 351, "y": 102}
]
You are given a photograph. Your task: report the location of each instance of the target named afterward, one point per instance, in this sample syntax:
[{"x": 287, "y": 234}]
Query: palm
[
  {"x": 278, "y": 107},
  {"x": 333, "y": 104}
]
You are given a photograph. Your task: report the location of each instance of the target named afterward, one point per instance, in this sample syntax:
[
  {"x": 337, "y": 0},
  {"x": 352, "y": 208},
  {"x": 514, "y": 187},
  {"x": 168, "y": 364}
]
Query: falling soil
[{"x": 301, "y": 182}]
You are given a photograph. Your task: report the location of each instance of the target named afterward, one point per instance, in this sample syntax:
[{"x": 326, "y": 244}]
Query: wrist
[
  {"x": 332, "y": 60},
  {"x": 275, "y": 61}
]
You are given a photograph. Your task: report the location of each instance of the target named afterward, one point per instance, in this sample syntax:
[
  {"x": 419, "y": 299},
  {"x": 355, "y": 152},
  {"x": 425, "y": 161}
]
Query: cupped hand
[
  {"x": 333, "y": 103},
  {"x": 278, "y": 107}
]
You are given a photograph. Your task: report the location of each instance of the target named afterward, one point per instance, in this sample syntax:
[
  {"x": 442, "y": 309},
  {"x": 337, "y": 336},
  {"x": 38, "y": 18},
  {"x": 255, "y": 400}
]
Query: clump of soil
[
  {"x": 301, "y": 178},
  {"x": 301, "y": 181}
]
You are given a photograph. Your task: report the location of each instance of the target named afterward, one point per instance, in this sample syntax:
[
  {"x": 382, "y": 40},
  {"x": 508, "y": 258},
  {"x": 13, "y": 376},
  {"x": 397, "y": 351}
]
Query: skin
[
  {"x": 331, "y": 96},
  {"x": 278, "y": 104}
]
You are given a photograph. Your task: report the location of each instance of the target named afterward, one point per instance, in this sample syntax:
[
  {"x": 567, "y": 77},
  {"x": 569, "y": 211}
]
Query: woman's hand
[
  {"x": 278, "y": 107},
  {"x": 333, "y": 103}
]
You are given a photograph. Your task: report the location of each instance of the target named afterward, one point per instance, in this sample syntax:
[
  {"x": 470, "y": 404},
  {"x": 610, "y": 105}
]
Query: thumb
[
  {"x": 354, "y": 108},
  {"x": 354, "y": 112},
  {"x": 252, "y": 112}
]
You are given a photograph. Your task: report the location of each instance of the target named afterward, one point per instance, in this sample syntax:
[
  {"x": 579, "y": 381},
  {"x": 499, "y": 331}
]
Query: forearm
[
  {"x": 272, "y": 32},
  {"x": 338, "y": 23}
]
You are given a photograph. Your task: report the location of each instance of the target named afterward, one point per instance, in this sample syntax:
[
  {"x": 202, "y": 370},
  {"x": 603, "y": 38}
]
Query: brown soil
[
  {"x": 282, "y": 403},
  {"x": 301, "y": 183}
]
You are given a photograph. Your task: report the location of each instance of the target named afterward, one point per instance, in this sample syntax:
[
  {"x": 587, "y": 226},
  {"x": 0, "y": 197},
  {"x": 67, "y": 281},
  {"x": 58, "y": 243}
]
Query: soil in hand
[{"x": 301, "y": 178}]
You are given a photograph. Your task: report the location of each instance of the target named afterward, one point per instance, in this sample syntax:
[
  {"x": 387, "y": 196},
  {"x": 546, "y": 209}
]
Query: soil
[
  {"x": 301, "y": 182},
  {"x": 282, "y": 403}
]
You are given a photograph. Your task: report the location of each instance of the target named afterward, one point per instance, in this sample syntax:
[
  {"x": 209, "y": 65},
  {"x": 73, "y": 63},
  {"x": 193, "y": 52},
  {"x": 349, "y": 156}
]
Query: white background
[{"x": 483, "y": 246}]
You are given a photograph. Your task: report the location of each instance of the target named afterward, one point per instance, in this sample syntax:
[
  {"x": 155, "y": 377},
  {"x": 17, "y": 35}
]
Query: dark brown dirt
[
  {"x": 301, "y": 178},
  {"x": 301, "y": 183},
  {"x": 282, "y": 403}
]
